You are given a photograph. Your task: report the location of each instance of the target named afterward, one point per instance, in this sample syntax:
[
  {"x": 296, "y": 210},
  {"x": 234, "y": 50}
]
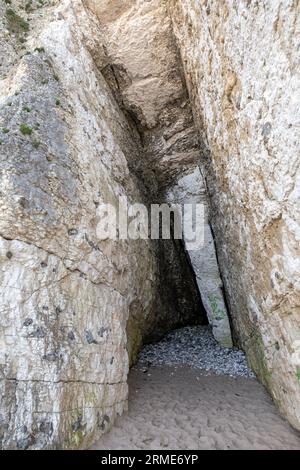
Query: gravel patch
[{"x": 195, "y": 346}]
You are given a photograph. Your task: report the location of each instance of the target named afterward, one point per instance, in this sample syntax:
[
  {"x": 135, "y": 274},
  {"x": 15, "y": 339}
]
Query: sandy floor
[{"x": 179, "y": 408}]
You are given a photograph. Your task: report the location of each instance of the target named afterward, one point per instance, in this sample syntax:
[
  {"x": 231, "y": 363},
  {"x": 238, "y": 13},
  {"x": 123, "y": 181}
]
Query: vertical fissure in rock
[
  {"x": 142, "y": 100},
  {"x": 144, "y": 71}
]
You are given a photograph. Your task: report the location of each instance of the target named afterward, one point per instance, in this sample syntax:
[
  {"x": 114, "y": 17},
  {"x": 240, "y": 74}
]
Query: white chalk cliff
[{"x": 175, "y": 101}]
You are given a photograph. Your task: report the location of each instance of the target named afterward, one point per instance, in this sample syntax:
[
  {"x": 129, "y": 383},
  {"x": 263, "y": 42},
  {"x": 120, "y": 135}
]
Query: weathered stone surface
[
  {"x": 191, "y": 189},
  {"x": 66, "y": 296},
  {"x": 142, "y": 66},
  {"x": 94, "y": 106},
  {"x": 241, "y": 62}
]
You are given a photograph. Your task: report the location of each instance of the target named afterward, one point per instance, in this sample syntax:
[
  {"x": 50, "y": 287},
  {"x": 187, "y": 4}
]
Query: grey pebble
[{"x": 195, "y": 346}]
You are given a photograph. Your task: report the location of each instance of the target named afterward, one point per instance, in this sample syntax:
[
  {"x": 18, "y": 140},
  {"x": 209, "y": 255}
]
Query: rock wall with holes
[
  {"x": 241, "y": 62},
  {"x": 73, "y": 307}
]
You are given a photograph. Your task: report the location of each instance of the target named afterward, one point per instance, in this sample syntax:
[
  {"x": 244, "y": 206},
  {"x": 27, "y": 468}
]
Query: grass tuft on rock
[
  {"x": 15, "y": 21},
  {"x": 36, "y": 144},
  {"x": 28, "y": 6},
  {"x": 39, "y": 49},
  {"x": 26, "y": 130}
]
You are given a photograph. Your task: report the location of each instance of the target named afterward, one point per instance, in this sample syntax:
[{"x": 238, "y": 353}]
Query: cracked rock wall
[
  {"x": 143, "y": 67},
  {"x": 65, "y": 297},
  {"x": 68, "y": 299},
  {"x": 241, "y": 62},
  {"x": 94, "y": 106},
  {"x": 191, "y": 189}
]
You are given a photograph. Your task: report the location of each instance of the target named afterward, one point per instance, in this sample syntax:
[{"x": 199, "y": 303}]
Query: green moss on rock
[
  {"x": 15, "y": 22},
  {"x": 134, "y": 340},
  {"x": 26, "y": 130}
]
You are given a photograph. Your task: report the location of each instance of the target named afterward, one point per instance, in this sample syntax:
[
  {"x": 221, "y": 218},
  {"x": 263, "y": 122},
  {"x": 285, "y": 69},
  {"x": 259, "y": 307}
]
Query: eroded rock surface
[
  {"x": 96, "y": 104},
  {"x": 73, "y": 307},
  {"x": 143, "y": 67},
  {"x": 191, "y": 189},
  {"x": 241, "y": 62}
]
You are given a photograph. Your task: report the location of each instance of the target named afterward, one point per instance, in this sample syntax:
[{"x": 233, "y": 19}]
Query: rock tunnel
[{"x": 161, "y": 102}]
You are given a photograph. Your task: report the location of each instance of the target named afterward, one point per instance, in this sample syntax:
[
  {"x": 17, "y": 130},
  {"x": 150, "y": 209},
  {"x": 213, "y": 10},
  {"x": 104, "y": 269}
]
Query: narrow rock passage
[{"x": 209, "y": 400}]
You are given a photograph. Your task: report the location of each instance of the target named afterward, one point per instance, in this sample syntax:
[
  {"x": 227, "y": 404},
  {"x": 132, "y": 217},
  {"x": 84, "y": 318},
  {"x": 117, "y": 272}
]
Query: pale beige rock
[
  {"x": 241, "y": 62},
  {"x": 141, "y": 63},
  {"x": 191, "y": 189},
  {"x": 106, "y": 113},
  {"x": 143, "y": 66},
  {"x": 66, "y": 296},
  {"x": 74, "y": 307}
]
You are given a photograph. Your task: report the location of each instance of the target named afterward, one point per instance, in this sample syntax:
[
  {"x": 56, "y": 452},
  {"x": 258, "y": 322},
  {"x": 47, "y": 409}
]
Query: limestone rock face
[
  {"x": 142, "y": 65},
  {"x": 65, "y": 295},
  {"x": 159, "y": 101},
  {"x": 241, "y": 62},
  {"x": 73, "y": 307},
  {"x": 191, "y": 189}
]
